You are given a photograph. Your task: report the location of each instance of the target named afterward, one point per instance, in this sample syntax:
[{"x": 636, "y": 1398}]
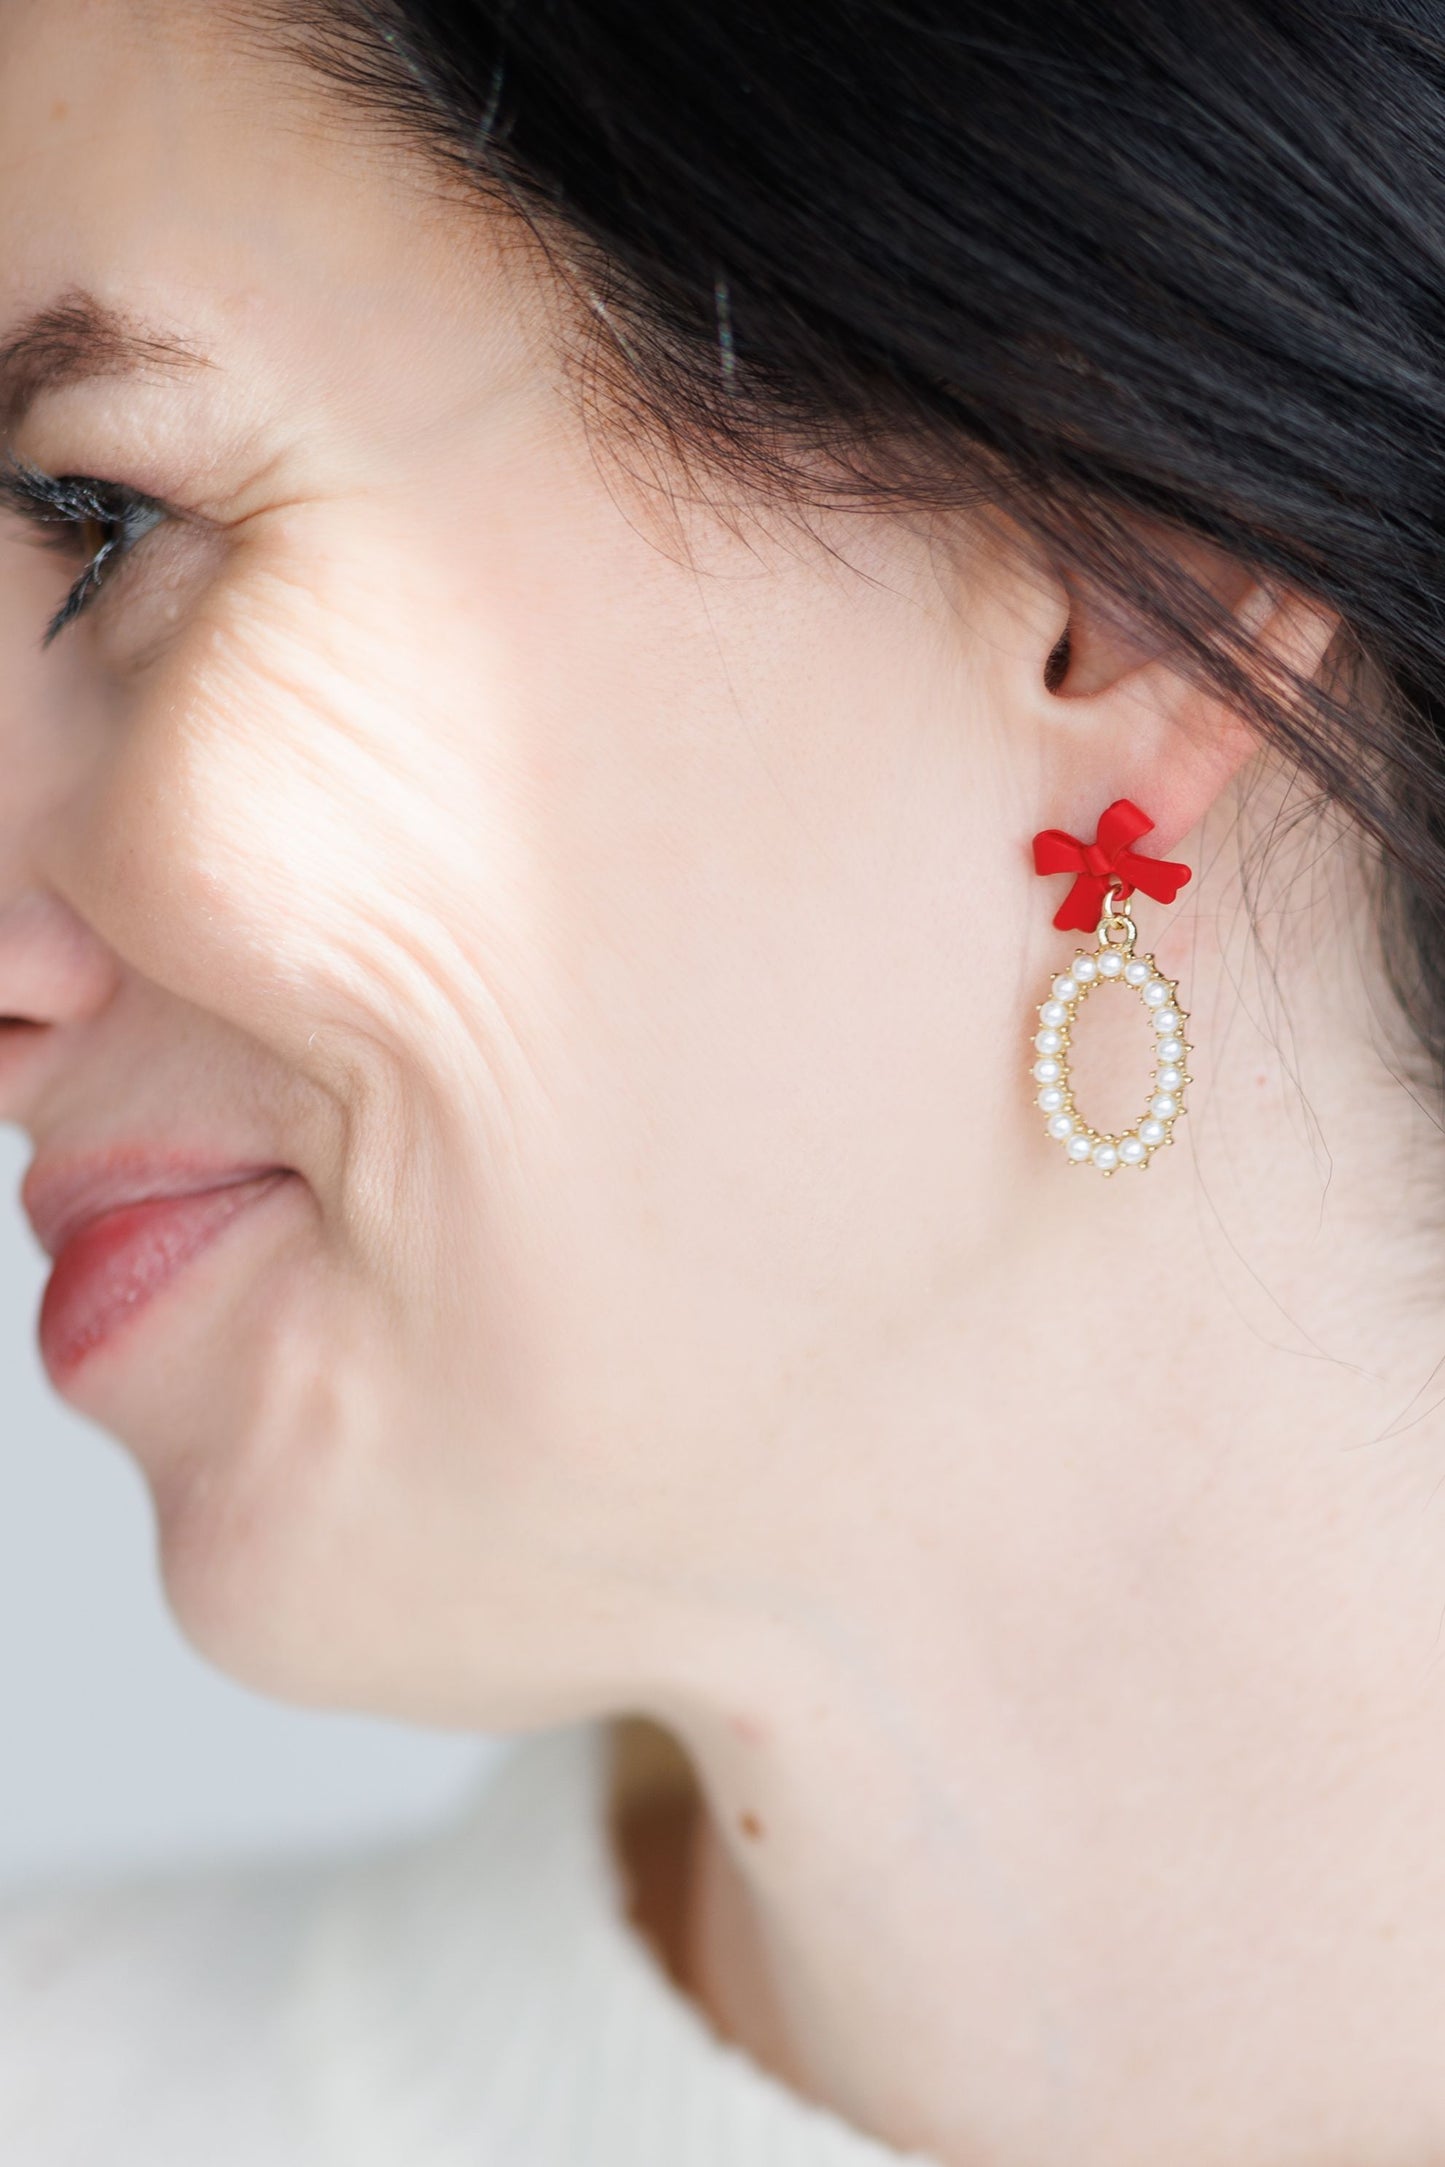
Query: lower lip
[{"x": 110, "y": 1270}]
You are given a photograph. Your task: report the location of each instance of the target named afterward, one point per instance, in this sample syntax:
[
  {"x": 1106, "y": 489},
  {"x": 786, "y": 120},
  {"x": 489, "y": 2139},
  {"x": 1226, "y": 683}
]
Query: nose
[
  {"x": 54, "y": 973},
  {"x": 53, "y": 969}
]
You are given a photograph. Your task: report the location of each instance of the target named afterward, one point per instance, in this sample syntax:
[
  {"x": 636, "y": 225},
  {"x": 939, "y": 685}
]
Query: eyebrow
[{"x": 75, "y": 339}]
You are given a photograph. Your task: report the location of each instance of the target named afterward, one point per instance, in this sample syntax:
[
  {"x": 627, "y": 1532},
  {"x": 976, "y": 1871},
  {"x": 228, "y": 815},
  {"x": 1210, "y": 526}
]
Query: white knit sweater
[{"x": 477, "y": 1996}]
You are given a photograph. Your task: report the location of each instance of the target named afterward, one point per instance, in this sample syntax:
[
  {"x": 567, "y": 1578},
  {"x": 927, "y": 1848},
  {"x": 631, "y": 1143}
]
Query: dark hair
[{"x": 1111, "y": 263}]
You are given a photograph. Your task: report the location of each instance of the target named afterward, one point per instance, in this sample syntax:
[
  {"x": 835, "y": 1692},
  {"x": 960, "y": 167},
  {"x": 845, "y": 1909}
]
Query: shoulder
[{"x": 146, "y": 2018}]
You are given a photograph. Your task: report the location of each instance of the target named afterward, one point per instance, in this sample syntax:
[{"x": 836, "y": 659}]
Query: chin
[
  {"x": 261, "y": 1442},
  {"x": 296, "y": 1556}
]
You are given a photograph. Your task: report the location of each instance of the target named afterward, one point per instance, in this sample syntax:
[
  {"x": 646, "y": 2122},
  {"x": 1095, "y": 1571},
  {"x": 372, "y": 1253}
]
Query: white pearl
[
  {"x": 1105, "y": 1155},
  {"x": 1048, "y": 1041},
  {"x": 1166, "y": 1019},
  {"x": 1062, "y": 1127},
  {"x": 1152, "y": 1131},
  {"x": 1136, "y": 971},
  {"x": 1054, "y": 1012},
  {"x": 1170, "y": 1049},
  {"x": 1168, "y": 1079},
  {"x": 1051, "y": 1098},
  {"x": 1164, "y": 1106},
  {"x": 1085, "y": 969},
  {"x": 1111, "y": 963},
  {"x": 1156, "y": 993},
  {"x": 1131, "y": 1150},
  {"x": 1065, "y": 988},
  {"x": 1047, "y": 1072},
  {"x": 1078, "y": 1147}
]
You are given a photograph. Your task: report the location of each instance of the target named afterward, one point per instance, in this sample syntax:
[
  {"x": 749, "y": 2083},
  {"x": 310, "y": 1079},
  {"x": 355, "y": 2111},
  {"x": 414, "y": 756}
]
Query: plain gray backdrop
[{"x": 120, "y": 1745}]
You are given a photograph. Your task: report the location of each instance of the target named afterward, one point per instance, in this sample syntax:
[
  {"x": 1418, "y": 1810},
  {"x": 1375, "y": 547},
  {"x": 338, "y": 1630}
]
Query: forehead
[{"x": 156, "y": 155}]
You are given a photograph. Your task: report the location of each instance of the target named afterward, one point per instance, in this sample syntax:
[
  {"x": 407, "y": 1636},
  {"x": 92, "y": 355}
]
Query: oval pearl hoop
[{"x": 1112, "y": 962}]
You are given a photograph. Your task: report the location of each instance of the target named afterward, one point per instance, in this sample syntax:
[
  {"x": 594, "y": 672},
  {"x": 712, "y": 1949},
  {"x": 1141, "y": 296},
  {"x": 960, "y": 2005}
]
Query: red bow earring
[
  {"x": 1107, "y": 871},
  {"x": 1107, "y": 861}
]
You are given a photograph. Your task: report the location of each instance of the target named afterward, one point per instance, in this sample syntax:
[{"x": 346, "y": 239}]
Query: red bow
[{"x": 1107, "y": 859}]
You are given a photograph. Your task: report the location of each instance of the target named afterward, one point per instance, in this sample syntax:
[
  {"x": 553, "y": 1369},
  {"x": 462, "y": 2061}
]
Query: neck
[{"x": 1074, "y": 1793}]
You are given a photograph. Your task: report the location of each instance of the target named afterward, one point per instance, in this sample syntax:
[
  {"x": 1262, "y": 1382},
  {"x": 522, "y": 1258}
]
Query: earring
[{"x": 1107, "y": 872}]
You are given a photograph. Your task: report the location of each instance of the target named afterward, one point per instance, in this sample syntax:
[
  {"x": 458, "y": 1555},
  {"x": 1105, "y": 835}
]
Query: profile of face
[{"x": 610, "y": 905}]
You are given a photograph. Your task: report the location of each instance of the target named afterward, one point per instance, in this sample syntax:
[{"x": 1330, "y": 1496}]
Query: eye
[{"x": 95, "y": 522}]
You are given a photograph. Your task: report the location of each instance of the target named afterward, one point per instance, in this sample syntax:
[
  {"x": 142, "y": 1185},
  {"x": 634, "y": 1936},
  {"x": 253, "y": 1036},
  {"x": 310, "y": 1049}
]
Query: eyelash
[{"x": 60, "y": 508}]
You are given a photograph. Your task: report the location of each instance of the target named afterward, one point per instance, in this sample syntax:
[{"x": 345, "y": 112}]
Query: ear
[{"x": 1116, "y": 717}]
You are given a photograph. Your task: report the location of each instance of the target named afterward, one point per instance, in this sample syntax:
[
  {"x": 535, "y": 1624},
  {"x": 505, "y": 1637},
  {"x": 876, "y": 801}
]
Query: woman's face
[{"x": 606, "y": 909}]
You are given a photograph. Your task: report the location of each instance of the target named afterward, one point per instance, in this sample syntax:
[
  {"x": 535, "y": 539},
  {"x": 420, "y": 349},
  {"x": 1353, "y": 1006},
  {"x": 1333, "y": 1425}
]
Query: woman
[{"x": 582, "y": 545}]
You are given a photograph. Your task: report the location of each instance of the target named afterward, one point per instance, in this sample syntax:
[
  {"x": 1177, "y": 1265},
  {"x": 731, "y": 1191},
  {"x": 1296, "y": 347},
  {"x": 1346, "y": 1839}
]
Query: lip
[
  {"x": 120, "y": 1226},
  {"x": 62, "y": 1196}
]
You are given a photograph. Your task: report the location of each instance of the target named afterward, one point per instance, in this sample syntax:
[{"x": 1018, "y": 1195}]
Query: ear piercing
[{"x": 1107, "y": 871}]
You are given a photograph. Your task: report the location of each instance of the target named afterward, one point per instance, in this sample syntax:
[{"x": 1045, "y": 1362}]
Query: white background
[{"x": 118, "y": 1745}]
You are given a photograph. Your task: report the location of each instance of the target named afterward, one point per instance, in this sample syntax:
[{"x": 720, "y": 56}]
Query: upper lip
[{"x": 61, "y": 1196}]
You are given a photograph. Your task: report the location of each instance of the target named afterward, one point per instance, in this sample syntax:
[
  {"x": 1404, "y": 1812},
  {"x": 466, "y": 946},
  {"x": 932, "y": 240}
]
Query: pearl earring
[{"x": 1107, "y": 872}]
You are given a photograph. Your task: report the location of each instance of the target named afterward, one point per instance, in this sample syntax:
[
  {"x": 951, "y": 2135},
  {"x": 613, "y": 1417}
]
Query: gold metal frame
[{"x": 1049, "y": 1062}]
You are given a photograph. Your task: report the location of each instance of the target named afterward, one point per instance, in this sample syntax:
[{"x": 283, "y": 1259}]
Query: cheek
[
  {"x": 777, "y": 1023},
  {"x": 289, "y": 841},
  {"x": 649, "y": 988},
  {"x": 650, "y": 1009}
]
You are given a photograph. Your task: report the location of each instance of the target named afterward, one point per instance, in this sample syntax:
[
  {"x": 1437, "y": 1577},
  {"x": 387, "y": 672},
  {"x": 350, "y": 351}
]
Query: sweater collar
[{"x": 480, "y": 1997}]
